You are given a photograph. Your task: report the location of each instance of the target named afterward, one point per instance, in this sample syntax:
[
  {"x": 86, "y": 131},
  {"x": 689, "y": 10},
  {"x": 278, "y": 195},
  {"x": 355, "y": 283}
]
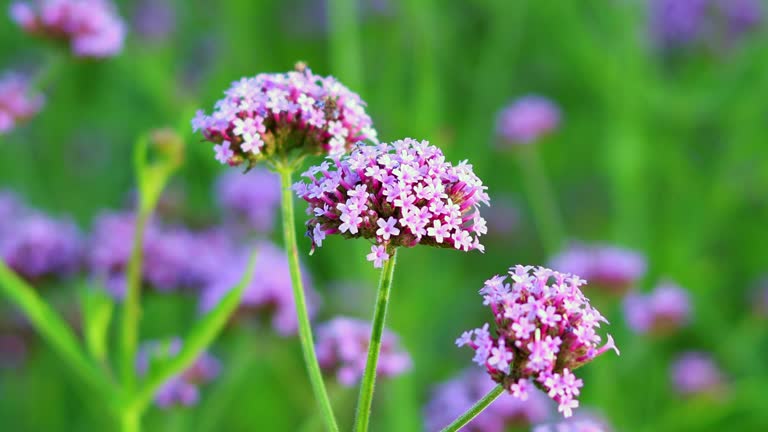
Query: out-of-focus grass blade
[
  {"x": 97, "y": 307},
  {"x": 199, "y": 338},
  {"x": 52, "y": 328}
]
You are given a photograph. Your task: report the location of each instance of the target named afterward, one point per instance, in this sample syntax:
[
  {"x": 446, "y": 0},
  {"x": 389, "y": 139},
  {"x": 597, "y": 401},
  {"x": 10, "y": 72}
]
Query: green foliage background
[{"x": 662, "y": 152}]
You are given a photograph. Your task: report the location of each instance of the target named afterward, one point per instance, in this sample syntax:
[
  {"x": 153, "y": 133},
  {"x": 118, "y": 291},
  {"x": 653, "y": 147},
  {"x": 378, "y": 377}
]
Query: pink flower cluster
[
  {"x": 398, "y": 194},
  {"x": 527, "y": 119},
  {"x": 662, "y": 311},
  {"x": 17, "y": 101},
  {"x": 609, "y": 267},
  {"x": 545, "y": 328},
  {"x": 452, "y": 398},
  {"x": 182, "y": 389},
  {"x": 278, "y": 113},
  {"x": 342, "y": 347},
  {"x": 91, "y": 27}
]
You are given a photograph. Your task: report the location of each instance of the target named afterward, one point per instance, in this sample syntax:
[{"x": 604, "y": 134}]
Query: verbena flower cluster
[
  {"x": 545, "y": 328},
  {"x": 452, "y": 398},
  {"x": 251, "y": 198},
  {"x": 342, "y": 349},
  {"x": 683, "y": 22},
  {"x": 399, "y": 194},
  {"x": 694, "y": 373},
  {"x": 527, "y": 119},
  {"x": 92, "y": 28},
  {"x": 18, "y": 101},
  {"x": 275, "y": 113},
  {"x": 661, "y": 311},
  {"x": 269, "y": 294},
  {"x": 612, "y": 268},
  {"x": 183, "y": 389},
  {"x": 35, "y": 245}
]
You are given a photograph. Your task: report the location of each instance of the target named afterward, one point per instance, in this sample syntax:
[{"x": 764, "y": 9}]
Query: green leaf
[
  {"x": 52, "y": 328},
  {"x": 196, "y": 342},
  {"x": 97, "y": 308}
]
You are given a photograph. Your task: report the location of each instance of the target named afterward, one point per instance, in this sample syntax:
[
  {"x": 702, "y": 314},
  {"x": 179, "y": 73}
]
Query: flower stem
[
  {"x": 542, "y": 200},
  {"x": 130, "y": 422},
  {"x": 365, "y": 399},
  {"x": 305, "y": 330},
  {"x": 476, "y": 409}
]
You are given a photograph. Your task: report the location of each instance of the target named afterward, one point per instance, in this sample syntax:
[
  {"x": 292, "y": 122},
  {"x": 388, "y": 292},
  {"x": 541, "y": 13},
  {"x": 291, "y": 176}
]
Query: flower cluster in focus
[
  {"x": 545, "y": 328},
  {"x": 662, "y": 311},
  {"x": 342, "y": 348},
  {"x": 276, "y": 113},
  {"x": 612, "y": 268},
  {"x": 183, "y": 389},
  {"x": 18, "y": 101},
  {"x": 452, "y": 398},
  {"x": 527, "y": 119},
  {"x": 92, "y": 28},
  {"x": 399, "y": 194}
]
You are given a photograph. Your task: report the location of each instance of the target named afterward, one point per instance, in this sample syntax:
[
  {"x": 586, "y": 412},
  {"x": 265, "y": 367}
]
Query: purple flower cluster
[
  {"x": 91, "y": 27},
  {"x": 275, "y": 113},
  {"x": 662, "y": 311},
  {"x": 684, "y": 22},
  {"x": 545, "y": 328},
  {"x": 527, "y": 119},
  {"x": 252, "y": 198},
  {"x": 696, "y": 373},
  {"x": 35, "y": 245},
  {"x": 183, "y": 389},
  {"x": 613, "y": 268},
  {"x": 398, "y": 194},
  {"x": 269, "y": 293},
  {"x": 174, "y": 257},
  {"x": 452, "y": 398},
  {"x": 342, "y": 348},
  {"x": 18, "y": 101}
]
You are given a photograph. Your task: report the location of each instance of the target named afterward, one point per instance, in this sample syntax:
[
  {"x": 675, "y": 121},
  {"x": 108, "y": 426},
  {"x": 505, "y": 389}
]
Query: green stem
[
  {"x": 130, "y": 422},
  {"x": 365, "y": 399},
  {"x": 476, "y": 409},
  {"x": 305, "y": 330},
  {"x": 542, "y": 199},
  {"x": 132, "y": 306},
  {"x": 344, "y": 39}
]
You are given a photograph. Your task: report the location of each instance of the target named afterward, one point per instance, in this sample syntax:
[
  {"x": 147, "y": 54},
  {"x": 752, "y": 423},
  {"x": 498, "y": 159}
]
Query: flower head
[
  {"x": 545, "y": 329},
  {"x": 342, "y": 348},
  {"x": 452, "y": 398},
  {"x": 662, "y": 311},
  {"x": 18, "y": 102},
  {"x": 92, "y": 28},
  {"x": 269, "y": 294},
  {"x": 276, "y": 113},
  {"x": 612, "y": 268},
  {"x": 183, "y": 389},
  {"x": 527, "y": 119},
  {"x": 250, "y": 198},
  {"x": 398, "y": 194},
  {"x": 694, "y": 373}
]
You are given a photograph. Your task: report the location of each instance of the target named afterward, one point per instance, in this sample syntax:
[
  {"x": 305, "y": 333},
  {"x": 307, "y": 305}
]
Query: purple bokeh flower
[
  {"x": 676, "y": 23},
  {"x": 92, "y": 28},
  {"x": 18, "y": 101},
  {"x": 661, "y": 311},
  {"x": 154, "y": 19},
  {"x": 276, "y": 113},
  {"x": 545, "y": 329},
  {"x": 183, "y": 389},
  {"x": 251, "y": 199},
  {"x": 269, "y": 293},
  {"x": 452, "y": 398},
  {"x": 612, "y": 268},
  {"x": 342, "y": 348},
  {"x": 527, "y": 119},
  {"x": 399, "y": 194},
  {"x": 694, "y": 373},
  {"x": 580, "y": 422},
  {"x": 503, "y": 217}
]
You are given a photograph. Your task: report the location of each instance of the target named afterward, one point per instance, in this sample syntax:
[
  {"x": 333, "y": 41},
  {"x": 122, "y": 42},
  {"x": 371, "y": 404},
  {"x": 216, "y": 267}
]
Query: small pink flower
[{"x": 378, "y": 255}]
